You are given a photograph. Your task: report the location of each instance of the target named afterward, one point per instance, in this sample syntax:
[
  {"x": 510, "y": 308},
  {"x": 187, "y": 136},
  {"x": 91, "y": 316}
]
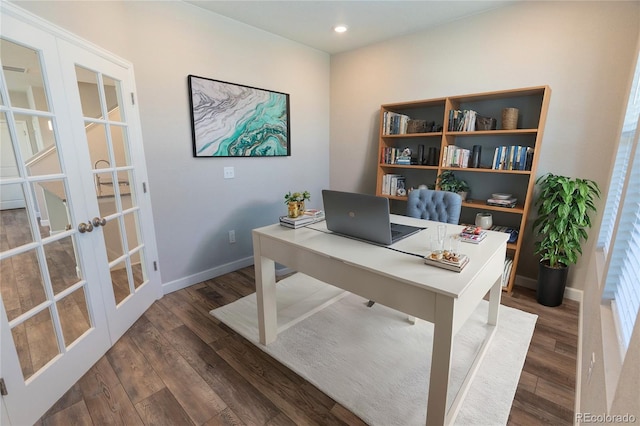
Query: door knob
[
  {"x": 96, "y": 221},
  {"x": 85, "y": 227}
]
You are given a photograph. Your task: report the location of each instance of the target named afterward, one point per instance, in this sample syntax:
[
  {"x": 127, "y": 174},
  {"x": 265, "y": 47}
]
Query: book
[
  {"x": 473, "y": 237},
  {"x": 307, "y": 218},
  {"x": 456, "y": 265}
]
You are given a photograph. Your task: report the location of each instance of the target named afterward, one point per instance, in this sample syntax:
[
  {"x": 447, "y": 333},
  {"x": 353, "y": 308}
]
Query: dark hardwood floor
[{"x": 179, "y": 366}]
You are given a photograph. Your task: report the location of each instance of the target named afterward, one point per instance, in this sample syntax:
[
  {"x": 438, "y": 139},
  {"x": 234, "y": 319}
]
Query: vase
[
  {"x": 301, "y": 207},
  {"x": 484, "y": 220},
  {"x": 294, "y": 209}
]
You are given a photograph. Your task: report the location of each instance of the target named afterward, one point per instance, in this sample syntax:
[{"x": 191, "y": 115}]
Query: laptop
[{"x": 363, "y": 217}]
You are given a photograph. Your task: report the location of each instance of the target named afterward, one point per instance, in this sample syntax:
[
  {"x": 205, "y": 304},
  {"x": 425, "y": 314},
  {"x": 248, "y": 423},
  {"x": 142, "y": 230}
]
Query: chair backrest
[{"x": 441, "y": 206}]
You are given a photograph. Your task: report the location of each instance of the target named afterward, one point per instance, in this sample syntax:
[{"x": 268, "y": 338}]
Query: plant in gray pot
[
  {"x": 447, "y": 181},
  {"x": 564, "y": 205}
]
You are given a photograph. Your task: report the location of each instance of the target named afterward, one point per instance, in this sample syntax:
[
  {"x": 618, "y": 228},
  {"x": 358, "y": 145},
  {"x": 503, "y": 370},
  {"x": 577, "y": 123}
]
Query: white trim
[
  {"x": 569, "y": 292},
  {"x": 181, "y": 283}
]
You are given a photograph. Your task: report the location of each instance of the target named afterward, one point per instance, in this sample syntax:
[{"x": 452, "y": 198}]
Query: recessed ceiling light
[{"x": 340, "y": 28}]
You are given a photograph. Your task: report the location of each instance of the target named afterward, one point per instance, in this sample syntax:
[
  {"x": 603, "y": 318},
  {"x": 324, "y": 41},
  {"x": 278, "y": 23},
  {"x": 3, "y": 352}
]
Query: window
[{"x": 620, "y": 231}]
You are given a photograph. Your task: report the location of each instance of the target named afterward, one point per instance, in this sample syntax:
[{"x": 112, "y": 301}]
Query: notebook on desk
[{"x": 363, "y": 217}]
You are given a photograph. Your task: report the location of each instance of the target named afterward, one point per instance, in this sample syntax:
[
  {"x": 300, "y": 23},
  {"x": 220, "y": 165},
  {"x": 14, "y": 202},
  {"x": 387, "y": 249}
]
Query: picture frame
[{"x": 234, "y": 120}]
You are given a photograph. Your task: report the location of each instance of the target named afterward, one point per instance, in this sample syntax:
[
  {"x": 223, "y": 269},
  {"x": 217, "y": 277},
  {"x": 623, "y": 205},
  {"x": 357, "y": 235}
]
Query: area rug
[{"x": 375, "y": 362}]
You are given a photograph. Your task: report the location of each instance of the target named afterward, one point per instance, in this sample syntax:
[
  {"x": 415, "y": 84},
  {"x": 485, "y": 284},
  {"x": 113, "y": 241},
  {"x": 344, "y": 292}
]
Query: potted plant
[
  {"x": 447, "y": 181},
  {"x": 564, "y": 205},
  {"x": 295, "y": 202}
]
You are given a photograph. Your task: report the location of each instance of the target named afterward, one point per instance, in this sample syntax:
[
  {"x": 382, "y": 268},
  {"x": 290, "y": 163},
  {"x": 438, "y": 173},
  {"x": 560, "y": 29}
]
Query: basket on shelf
[
  {"x": 419, "y": 126},
  {"x": 510, "y": 118}
]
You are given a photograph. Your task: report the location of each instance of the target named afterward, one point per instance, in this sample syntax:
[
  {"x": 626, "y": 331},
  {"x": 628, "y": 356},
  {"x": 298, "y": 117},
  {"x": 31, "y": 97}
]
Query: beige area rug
[{"x": 375, "y": 363}]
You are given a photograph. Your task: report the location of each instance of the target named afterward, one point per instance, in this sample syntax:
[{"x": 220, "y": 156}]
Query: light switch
[{"x": 229, "y": 173}]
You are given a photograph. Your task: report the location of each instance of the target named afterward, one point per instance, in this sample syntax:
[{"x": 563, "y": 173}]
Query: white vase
[{"x": 484, "y": 220}]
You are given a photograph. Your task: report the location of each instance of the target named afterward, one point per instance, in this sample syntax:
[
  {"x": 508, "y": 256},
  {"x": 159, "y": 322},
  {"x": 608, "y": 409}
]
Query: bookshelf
[{"x": 426, "y": 129}]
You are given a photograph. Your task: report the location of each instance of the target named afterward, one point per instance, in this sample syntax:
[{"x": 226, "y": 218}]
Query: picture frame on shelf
[{"x": 234, "y": 120}]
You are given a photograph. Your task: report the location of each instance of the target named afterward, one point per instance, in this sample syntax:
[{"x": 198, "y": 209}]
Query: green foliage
[
  {"x": 447, "y": 181},
  {"x": 564, "y": 205},
  {"x": 296, "y": 196}
]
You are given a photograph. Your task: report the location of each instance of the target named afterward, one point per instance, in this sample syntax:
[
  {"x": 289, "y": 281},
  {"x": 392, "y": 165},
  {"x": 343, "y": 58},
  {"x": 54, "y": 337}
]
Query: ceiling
[{"x": 310, "y": 22}]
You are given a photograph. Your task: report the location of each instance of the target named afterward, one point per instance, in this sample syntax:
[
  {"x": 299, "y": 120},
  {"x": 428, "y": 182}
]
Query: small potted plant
[
  {"x": 447, "y": 181},
  {"x": 564, "y": 205},
  {"x": 295, "y": 202}
]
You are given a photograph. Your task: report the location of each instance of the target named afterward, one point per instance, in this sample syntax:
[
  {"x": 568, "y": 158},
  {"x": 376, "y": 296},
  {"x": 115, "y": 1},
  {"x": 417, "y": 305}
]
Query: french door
[{"x": 77, "y": 248}]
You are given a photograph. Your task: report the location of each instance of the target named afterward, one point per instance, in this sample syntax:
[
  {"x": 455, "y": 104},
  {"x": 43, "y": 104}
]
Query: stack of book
[
  {"x": 307, "y": 218},
  {"x": 473, "y": 234},
  {"x": 508, "y": 202},
  {"x": 452, "y": 262}
]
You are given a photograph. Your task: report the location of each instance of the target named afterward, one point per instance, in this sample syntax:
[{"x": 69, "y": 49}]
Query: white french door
[{"x": 77, "y": 259}]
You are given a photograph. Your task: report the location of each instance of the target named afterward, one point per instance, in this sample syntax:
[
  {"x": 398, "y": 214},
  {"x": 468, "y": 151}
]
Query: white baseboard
[
  {"x": 569, "y": 292},
  {"x": 206, "y": 275}
]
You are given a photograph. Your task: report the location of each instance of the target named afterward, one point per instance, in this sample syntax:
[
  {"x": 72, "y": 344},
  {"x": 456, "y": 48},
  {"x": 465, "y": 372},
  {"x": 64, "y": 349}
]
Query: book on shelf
[
  {"x": 506, "y": 273},
  {"x": 513, "y": 232},
  {"x": 462, "y": 120},
  {"x": 473, "y": 234},
  {"x": 454, "y": 263},
  {"x": 395, "y": 123},
  {"x": 508, "y": 203},
  {"x": 303, "y": 220},
  {"x": 391, "y": 183},
  {"x": 454, "y": 156},
  {"x": 513, "y": 157}
]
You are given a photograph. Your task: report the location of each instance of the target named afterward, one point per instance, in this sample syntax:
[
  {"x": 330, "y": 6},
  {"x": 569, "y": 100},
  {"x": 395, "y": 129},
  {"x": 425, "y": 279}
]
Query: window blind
[{"x": 620, "y": 231}]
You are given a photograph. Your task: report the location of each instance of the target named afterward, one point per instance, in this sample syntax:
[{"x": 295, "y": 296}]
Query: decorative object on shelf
[
  {"x": 564, "y": 205},
  {"x": 485, "y": 123},
  {"x": 418, "y": 126},
  {"x": 475, "y": 156},
  {"x": 484, "y": 220},
  {"x": 510, "y": 118},
  {"x": 447, "y": 181},
  {"x": 233, "y": 120},
  {"x": 295, "y": 202}
]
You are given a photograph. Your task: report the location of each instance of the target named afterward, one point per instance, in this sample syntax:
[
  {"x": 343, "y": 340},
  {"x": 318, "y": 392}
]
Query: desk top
[{"x": 402, "y": 260}]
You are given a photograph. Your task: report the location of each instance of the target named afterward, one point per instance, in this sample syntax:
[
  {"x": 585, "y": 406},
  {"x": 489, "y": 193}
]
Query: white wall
[
  {"x": 194, "y": 207},
  {"x": 582, "y": 50}
]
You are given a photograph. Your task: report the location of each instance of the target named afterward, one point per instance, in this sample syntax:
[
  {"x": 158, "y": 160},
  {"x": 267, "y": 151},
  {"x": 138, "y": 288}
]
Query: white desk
[{"x": 395, "y": 279}]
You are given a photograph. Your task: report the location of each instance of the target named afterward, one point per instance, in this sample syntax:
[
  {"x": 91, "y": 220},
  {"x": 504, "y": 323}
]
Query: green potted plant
[
  {"x": 295, "y": 202},
  {"x": 564, "y": 205},
  {"x": 447, "y": 181}
]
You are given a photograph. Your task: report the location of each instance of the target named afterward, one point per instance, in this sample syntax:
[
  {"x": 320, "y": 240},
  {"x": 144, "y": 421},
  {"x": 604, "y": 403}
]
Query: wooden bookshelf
[{"x": 532, "y": 102}]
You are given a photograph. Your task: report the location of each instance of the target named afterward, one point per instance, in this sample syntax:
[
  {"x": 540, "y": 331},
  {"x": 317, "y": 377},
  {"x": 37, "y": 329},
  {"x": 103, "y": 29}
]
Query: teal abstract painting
[{"x": 233, "y": 120}]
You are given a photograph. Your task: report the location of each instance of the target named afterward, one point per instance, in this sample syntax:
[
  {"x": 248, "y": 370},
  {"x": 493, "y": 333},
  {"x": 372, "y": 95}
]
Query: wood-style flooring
[{"x": 178, "y": 365}]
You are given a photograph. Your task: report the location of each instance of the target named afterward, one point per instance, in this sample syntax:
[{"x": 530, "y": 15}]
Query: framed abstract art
[{"x": 233, "y": 120}]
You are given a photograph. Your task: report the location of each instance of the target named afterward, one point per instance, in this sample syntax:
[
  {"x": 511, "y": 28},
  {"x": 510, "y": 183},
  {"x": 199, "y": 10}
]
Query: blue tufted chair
[{"x": 440, "y": 206}]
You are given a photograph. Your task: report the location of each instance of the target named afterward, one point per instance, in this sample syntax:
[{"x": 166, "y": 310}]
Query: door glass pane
[
  {"x": 120, "y": 145},
  {"x": 113, "y": 239},
  {"x": 15, "y": 222},
  {"x": 8, "y": 163},
  {"x": 112, "y": 96},
  {"x": 120, "y": 281},
  {"x": 132, "y": 230},
  {"x": 137, "y": 269},
  {"x": 89, "y": 93},
  {"x": 74, "y": 316},
  {"x": 22, "y": 286},
  {"x": 62, "y": 262},
  {"x": 126, "y": 186},
  {"x": 98, "y": 149},
  {"x": 51, "y": 200},
  {"x": 23, "y": 74},
  {"x": 35, "y": 342}
]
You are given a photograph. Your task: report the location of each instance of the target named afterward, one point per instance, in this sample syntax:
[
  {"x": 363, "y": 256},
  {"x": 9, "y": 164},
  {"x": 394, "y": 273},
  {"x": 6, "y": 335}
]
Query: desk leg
[
  {"x": 440, "y": 361},
  {"x": 494, "y": 302},
  {"x": 265, "y": 272}
]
